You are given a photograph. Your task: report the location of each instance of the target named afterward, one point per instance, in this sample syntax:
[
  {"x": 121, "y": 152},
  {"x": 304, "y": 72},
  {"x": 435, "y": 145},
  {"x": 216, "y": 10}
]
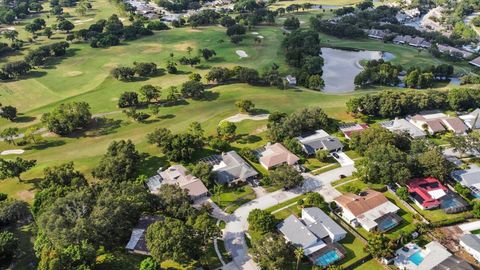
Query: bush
[{"x": 68, "y": 117}]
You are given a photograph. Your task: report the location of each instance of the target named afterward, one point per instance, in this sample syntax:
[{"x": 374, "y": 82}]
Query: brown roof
[
  {"x": 435, "y": 125},
  {"x": 177, "y": 175},
  {"x": 456, "y": 124},
  {"x": 277, "y": 154},
  {"x": 360, "y": 204}
]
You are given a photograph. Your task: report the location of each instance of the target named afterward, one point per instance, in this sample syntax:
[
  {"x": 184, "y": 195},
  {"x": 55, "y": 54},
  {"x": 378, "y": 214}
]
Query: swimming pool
[
  {"x": 387, "y": 224},
  {"x": 327, "y": 258},
  {"x": 416, "y": 258}
]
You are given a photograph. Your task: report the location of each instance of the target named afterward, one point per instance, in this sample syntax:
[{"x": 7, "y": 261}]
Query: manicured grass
[
  {"x": 354, "y": 248},
  {"x": 285, "y": 203},
  {"x": 438, "y": 215},
  {"x": 371, "y": 265},
  {"x": 343, "y": 180},
  {"x": 291, "y": 210},
  {"x": 313, "y": 163},
  {"x": 326, "y": 168},
  {"x": 475, "y": 231},
  {"x": 315, "y": 2},
  {"x": 232, "y": 198},
  {"x": 358, "y": 184}
]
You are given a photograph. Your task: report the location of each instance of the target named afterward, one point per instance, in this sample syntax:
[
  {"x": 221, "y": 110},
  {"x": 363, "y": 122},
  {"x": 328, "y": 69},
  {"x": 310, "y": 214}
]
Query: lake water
[{"x": 341, "y": 66}]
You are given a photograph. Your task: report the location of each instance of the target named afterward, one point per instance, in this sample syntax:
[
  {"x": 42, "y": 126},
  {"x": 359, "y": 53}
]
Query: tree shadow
[
  {"x": 151, "y": 164},
  {"x": 102, "y": 126},
  {"x": 150, "y": 121},
  {"x": 36, "y": 74},
  {"x": 210, "y": 96},
  {"x": 216, "y": 59},
  {"x": 42, "y": 145},
  {"x": 176, "y": 103},
  {"x": 167, "y": 116},
  {"x": 257, "y": 111},
  {"x": 183, "y": 72},
  {"x": 203, "y": 67},
  {"x": 247, "y": 139},
  {"x": 24, "y": 119}
]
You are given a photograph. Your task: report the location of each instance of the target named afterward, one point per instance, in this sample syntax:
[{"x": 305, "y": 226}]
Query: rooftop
[
  {"x": 427, "y": 191},
  {"x": 319, "y": 140},
  {"x": 137, "y": 242},
  {"x": 360, "y": 204},
  {"x": 402, "y": 125},
  {"x": 276, "y": 154},
  {"x": 177, "y": 175},
  {"x": 232, "y": 167}
]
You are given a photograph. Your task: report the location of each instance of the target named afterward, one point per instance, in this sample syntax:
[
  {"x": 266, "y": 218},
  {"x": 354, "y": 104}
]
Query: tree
[
  {"x": 123, "y": 73},
  {"x": 203, "y": 171},
  {"x": 195, "y": 77},
  {"x": 9, "y": 135},
  {"x": 286, "y": 176},
  {"x": 68, "y": 117},
  {"x": 65, "y": 25},
  {"x": 219, "y": 74},
  {"x": 322, "y": 155},
  {"x": 205, "y": 227},
  {"x": 14, "y": 168},
  {"x": 314, "y": 199},
  {"x": 192, "y": 89},
  {"x": 226, "y": 130},
  {"x": 149, "y": 264},
  {"x": 380, "y": 246},
  {"x": 476, "y": 209},
  {"x": 402, "y": 193},
  {"x": 120, "y": 163},
  {"x": 272, "y": 252},
  {"x": 128, "y": 99},
  {"x": 434, "y": 164},
  {"x": 245, "y": 105},
  {"x": 48, "y": 32},
  {"x": 299, "y": 253},
  {"x": 8, "y": 246},
  {"x": 207, "y": 53},
  {"x": 12, "y": 35},
  {"x": 63, "y": 175},
  {"x": 261, "y": 221},
  {"x": 291, "y": 23},
  {"x": 150, "y": 92},
  {"x": 195, "y": 129},
  {"x": 145, "y": 69},
  {"x": 160, "y": 137},
  {"x": 171, "y": 239},
  {"x": 13, "y": 211},
  {"x": 236, "y": 30},
  {"x": 236, "y": 39},
  {"x": 384, "y": 164}
]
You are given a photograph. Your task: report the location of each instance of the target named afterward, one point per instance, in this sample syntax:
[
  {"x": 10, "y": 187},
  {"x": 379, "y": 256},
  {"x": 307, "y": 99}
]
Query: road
[{"x": 236, "y": 226}]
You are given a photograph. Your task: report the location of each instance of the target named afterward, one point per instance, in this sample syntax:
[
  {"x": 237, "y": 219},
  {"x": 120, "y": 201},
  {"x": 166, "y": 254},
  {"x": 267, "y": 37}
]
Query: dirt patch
[
  {"x": 194, "y": 30},
  {"x": 183, "y": 46},
  {"x": 153, "y": 48},
  {"x": 25, "y": 195},
  {"x": 110, "y": 65},
  {"x": 260, "y": 130},
  {"x": 49, "y": 135},
  {"x": 73, "y": 73}
]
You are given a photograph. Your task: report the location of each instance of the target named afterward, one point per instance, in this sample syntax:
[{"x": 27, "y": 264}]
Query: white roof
[
  {"x": 368, "y": 218},
  {"x": 471, "y": 226},
  {"x": 136, "y": 234},
  {"x": 437, "y": 193}
]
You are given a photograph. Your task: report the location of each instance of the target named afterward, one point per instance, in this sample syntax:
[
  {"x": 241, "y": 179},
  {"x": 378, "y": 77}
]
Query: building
[
  {"x": 426, "y": 192},
  {"x": 429, "y": 121},
  {"x": 402, "y": 125},
  {"x": 230, "y": 169},
  {"x": 137, "y": 243},
  {"x": 453, "y": 51},
  {"x": 370, "y": 209},
  {"x": 469, "y": 178},
  {"x": 316, "y": 233},
  {"x": 455, "y": 125},
  {"x": 319, "y": 140},
  {"x": 412, "y": 41},
  {"x": 274, "y": 155},
  {"x": 433, "y": 256},
  {"x": 472, "y": 119},
  {"x": 178, "y": 175},
  {"x": 475, "y": 62},
  {"x": 292, "y": 81},
  {"x": 378, "y": 33},
  {"x": 471, "y": 244},
  {"x": 349, "y": 128}
]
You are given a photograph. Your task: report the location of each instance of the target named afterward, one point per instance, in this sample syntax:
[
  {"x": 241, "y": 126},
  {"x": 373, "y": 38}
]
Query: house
[
  {"x": 412, "y": 41},
  {"x": 292, "y": 81},
  {"x": 426, "y": 192},
  {"x": 378, "y": 33},
  {"x": 349, "y": 128},
  {"x": 316, "y": 233},
  {"x": 402, "y": 125},
  {"x": 455, "y": 125},
  {"x": 472, "y": 119},
  {"x": 137, "y": 243},
  {"x": 436, "y": 121},
  {"x": 370, "y": 209},
  {"x": 433, "y": 256},
  {"x": 453, "y": 51},
  {"x": 178, "y": 175},
  {"x": 475, "y": 62},
  {"x": 471, "y": 244},
  {"x": 469, "y": 178},
  {"x": 230, "y": 169},
  {"x": 319, "y": 140},
  {"x": 274, "y": 155}
]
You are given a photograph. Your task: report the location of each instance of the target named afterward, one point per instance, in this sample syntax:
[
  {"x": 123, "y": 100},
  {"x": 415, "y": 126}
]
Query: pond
[{"x": 341, "y": 66}]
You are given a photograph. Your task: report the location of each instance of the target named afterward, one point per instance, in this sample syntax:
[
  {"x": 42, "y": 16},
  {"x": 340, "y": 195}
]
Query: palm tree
[
  {"x": 10, "y": 34},
  {"x": 299, "y": 255},
  {"x": 217, "y": 190}
]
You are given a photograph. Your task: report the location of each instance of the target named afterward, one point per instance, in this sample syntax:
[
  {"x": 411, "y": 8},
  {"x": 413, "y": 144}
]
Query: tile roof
[
  {"x": 358, "y": 205},
  {"x": 178, "y": 175},
  {"x": 277, "y": 154},
  {"x": 455, "y": 124}
]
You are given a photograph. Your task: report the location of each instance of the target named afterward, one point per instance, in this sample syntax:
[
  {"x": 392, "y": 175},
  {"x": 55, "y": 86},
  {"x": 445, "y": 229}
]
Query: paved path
[{"x": 234, "y": 233}]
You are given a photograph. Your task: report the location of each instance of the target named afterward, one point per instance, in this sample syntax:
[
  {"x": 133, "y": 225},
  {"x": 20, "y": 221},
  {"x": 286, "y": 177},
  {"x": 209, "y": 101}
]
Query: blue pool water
[
  {"x": 416, "y": 258},
  {"x": 451, "y": 203},
  {"x": 327, "y": 258},
  {"x": 387, "y": 224}
]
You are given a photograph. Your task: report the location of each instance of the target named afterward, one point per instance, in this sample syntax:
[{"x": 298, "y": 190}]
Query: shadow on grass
[
  {"x": 167, "y": 116},
  {"x": 24, "y": 119},
  {"x": 100, "y": 127},
  {"x": 42, "y": 145},
  {"x": 246, "y": 138},
  {"x": 151, "y": 164},
  {"x": 259, "y": 111},
  {"x": 209, "y": 96}
]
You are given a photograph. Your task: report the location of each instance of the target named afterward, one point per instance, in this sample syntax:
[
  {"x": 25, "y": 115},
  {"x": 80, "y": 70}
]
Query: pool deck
[{"x": 433, "y": 254}]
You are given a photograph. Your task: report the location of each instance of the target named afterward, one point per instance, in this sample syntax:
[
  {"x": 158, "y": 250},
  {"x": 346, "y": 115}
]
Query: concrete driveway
[
  {"x": 236, "y": 226},
  {"x": 343, "y": 159}
]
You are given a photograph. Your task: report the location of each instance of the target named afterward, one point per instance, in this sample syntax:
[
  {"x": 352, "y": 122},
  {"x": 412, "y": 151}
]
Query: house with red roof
[
  {"x": 349, "y": 128},
  {"x": 426, "y": 192}
]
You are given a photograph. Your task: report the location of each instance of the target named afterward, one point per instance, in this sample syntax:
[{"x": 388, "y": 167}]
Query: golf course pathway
[{"x": 236, "y": 226}]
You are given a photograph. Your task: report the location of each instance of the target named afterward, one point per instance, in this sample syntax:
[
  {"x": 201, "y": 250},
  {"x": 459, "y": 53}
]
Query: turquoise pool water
[
  {"x": 416, "y": 258},
  {"x": 387, "y": 224},
  {"x": 327, "y": 258}
]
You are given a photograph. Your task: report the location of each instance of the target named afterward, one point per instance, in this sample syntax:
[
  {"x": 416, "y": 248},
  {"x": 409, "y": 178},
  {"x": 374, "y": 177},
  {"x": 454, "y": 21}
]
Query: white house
[{"x": 471, "y": 244}]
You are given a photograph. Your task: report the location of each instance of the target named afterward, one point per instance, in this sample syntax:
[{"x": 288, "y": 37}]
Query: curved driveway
[{"x": 236, "y": 226}]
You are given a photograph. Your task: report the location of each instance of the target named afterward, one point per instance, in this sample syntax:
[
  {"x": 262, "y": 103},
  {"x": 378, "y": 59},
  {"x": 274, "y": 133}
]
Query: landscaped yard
[
  {"x": 438, "y": 215},
  {"x": 234, "y": 197},
  {"x": 371, "y": 265},
  {"x": 354, "y": 248}
]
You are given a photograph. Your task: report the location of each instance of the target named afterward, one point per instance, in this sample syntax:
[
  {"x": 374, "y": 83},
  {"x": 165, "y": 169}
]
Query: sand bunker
[
  {"x": 12, "y": 152},
  {"x": 73, "y": 73},
  {"x": 241, "y": 53},
  {"x": 254, "y": 33},
  {"x": 239, "y": 117}
]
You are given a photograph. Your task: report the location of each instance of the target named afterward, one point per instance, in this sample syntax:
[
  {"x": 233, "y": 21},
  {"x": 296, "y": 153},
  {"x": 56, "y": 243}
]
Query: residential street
[{"x": 234, "y": 233}]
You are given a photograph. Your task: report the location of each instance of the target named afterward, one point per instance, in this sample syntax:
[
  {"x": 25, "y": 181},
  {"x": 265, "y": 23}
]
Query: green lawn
[
  {"x": 371, "y": 265},
  {"x": 438, "y": 215},
  {"x": 234, "y": 197},
  {"x": 285, "y": 203},
  {"x": 354, "y": 248},
  {"x": 359, "y": 185}
]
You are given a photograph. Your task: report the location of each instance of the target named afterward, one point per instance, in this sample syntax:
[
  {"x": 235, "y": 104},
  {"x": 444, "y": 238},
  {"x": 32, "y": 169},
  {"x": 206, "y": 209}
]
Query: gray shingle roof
[
  {"x": 296, "y": 232},
  {"x": 471, "y": 240},
  {"x": 323, "y": 224},
  {"x": 235, "y": 168}
]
